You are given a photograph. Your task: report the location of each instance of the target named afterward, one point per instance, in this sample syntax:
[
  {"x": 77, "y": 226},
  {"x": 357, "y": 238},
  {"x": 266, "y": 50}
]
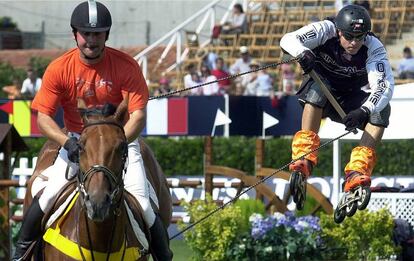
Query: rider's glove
[
  {"x": 307, "y": 61},
  {"x": 356, "y": 118},
  {"x": 73, "y": 148}
]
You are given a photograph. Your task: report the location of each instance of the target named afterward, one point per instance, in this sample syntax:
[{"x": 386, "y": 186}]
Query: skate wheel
[
  {"x": 301, "y": 198},
  {"x": 300, "y": 204},
  {"x": 365, "y": 197},
  {"x": 296, "y": 197},
  {"x": 298, "y": 189},
  {"x": 339, "y": 215},
  {"x": 292, "y": 184},
  {"x": 351, "y": 209}
]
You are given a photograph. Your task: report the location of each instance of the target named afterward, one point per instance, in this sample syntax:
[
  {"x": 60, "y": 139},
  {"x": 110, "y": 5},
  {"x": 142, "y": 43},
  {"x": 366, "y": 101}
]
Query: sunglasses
[{"x": 356, "y": 37}]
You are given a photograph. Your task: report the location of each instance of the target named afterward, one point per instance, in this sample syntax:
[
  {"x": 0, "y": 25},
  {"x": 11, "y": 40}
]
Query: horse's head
[{"x": 103, "y": 154}]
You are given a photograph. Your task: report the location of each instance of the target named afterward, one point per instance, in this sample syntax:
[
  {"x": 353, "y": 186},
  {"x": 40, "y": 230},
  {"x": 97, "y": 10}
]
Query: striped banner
[{"x": 184, "y": 116}]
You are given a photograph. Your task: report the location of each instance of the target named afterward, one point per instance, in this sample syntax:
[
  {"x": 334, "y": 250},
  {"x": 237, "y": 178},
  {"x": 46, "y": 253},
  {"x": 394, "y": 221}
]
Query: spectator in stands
[
  {"x": 188, "y": 78},
  {"x": 195, "y": 80},
  {"x": 164, "y": 87},
  {"x": 13, "y": 90},
  {"x": 264, "y": 84},
  {"x": 287, "y": 73},
  {"x": 219, "y": 73},
  {"x": 241, "y": 65},
  {"x": 237, "y": 23},
  {"x": 249, "y": 81},
  {"x": 406, "y": 66},
  {"x": 31, "y": 84},
  {"x": 207, "y": 58},
  {"x": 210, "y": 89},
  {"x": 260, "y": 82}
]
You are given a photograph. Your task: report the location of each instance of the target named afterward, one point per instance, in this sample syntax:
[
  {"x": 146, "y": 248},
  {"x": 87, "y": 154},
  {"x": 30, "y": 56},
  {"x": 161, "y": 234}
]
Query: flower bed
[
  {"x": 279, "y": 237},
  {"x": 224, "y": 236}
]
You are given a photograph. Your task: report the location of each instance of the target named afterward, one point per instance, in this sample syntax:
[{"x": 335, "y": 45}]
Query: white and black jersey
[{"x": 345, "y": 72}]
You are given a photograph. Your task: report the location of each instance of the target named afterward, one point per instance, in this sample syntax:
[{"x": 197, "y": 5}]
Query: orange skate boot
[{"x": 357, "y": 195}]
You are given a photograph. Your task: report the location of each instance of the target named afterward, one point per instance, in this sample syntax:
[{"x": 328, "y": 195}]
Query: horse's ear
[
  {"x": 108, "y": 109},
  {"x": 81, "y": 104},
  {"x": 122, "y": 112}
]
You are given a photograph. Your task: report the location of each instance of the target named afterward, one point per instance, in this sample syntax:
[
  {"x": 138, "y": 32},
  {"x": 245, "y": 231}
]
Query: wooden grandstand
[{"x": 269, "y": 20}]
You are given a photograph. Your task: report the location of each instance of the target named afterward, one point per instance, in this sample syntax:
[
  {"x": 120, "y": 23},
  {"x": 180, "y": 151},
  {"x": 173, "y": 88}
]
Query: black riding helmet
[
  {"x": 91, "y": 16},
  {"x": 353, "y": 19}
]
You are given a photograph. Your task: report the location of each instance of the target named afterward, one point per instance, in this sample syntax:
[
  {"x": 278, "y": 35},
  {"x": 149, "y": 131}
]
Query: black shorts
[{"x": 349, "y": 100}]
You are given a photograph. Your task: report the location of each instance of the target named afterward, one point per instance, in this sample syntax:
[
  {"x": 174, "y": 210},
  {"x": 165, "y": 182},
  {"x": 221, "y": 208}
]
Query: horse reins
[{"x": 115, "y": 180}]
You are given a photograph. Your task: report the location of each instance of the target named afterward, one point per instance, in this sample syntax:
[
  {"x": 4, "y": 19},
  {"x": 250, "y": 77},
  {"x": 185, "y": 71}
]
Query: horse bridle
[{"x": 116, "y": 181}]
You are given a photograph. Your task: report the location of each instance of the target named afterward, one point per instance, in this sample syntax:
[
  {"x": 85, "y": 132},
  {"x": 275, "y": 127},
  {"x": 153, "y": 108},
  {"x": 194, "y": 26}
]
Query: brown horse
[{"x": 95, "y": 225}]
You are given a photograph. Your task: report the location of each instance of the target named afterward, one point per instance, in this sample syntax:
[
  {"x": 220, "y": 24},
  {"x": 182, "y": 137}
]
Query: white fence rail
[{"x": 401, "y": 205}]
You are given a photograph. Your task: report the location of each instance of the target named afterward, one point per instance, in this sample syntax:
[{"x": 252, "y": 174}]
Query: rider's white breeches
[{"x": 135, "y": 180}]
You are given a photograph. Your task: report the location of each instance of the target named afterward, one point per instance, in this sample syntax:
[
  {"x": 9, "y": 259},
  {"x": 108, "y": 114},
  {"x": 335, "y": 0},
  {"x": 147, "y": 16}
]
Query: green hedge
[{"x": 184, "y": 156}]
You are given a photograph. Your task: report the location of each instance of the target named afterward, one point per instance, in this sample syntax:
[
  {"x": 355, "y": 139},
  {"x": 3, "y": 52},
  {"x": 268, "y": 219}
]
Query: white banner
[{"x": 400, "y": 127}]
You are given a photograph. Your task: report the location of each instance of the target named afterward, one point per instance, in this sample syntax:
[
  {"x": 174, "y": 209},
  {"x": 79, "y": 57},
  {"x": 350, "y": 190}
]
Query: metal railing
[{"x": 174, "y": 38}]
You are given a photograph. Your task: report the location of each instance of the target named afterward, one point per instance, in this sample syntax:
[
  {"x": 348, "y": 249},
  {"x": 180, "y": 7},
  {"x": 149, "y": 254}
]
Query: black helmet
[
  {"x": 353, "y": 19},
  {"x": 91, "y": 16}
]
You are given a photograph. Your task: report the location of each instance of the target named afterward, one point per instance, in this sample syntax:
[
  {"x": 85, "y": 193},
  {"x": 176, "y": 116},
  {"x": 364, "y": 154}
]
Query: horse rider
[
  {"x": 348, "y": 57},
  {"x": 98, "y": 74}
]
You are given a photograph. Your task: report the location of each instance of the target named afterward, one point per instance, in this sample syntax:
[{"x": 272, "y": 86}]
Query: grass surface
[{"x": 180, "y": 249}]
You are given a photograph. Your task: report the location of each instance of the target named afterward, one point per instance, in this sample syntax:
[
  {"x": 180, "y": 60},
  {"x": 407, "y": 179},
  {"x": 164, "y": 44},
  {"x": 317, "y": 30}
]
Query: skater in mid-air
[{"x": 354, "y": 65}]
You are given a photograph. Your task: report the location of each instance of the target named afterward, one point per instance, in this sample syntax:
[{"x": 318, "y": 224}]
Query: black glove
[
  {"x": 307, "y": 61},
  {"x": 73, "y": 148},
  {"x": 356, "y": 118}
]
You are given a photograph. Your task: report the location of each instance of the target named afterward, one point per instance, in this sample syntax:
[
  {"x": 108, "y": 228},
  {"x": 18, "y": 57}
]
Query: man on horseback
[{"x": 97, "y": 74}]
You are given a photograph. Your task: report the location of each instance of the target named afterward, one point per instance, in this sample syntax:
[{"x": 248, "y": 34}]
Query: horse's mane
[
  {"x": 107, "y": 112},
  {"x": 104, "y": 111}
]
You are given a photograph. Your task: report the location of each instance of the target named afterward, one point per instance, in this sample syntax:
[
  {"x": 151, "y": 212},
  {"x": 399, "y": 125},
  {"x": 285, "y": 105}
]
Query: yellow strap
[
  {"x": 71, "y": 249},
  {"x": 72, "y": 202}
]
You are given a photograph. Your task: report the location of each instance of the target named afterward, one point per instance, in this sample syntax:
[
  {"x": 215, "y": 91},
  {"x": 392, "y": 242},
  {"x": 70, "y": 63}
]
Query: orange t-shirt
[{"x": 115, "y": 77}]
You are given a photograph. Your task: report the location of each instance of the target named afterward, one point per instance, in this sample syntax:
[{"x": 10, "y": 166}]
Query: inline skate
[
  {"x": 356, "y": 197},
  {"x": 297, "y": 182}
]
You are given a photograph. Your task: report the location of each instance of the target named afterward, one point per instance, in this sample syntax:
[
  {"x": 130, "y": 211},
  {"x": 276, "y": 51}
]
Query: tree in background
[
  {"x": 8, "y": 74},
  {"x": 6, "y": 24},
  {"x": 39, "y": 64}
]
